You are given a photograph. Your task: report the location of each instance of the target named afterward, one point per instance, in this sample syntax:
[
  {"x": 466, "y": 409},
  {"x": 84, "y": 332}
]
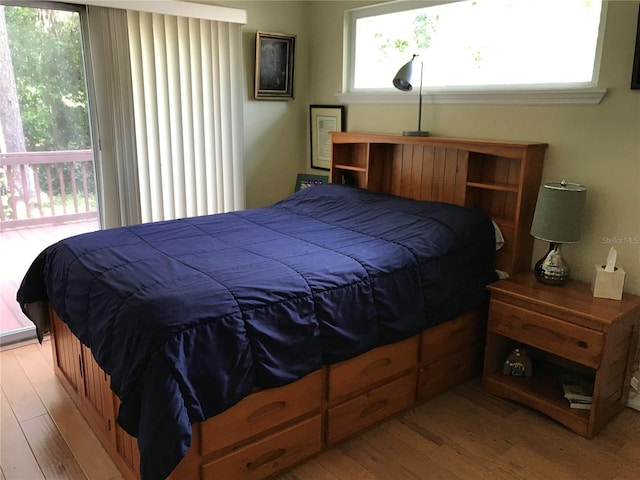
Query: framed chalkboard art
[{"x": 275, "y": 53}]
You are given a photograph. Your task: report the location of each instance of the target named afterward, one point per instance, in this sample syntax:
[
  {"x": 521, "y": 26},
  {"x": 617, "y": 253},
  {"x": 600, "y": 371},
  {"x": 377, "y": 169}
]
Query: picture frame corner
[{"x": 635, "y": 71}]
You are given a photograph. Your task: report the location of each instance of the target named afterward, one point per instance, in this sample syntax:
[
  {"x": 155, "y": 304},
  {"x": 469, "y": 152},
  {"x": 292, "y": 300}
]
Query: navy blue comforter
[{"x": 187, "y": 316}]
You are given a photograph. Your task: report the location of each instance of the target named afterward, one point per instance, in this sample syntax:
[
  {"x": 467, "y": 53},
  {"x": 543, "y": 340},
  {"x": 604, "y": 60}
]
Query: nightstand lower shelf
[{"x": 541, "y": 394}]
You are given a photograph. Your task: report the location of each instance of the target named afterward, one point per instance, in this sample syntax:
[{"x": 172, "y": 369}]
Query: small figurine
[{"x": 518, "y": 364}]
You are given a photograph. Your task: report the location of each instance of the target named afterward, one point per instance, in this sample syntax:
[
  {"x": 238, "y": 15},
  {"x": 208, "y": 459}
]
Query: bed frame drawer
[
  {"x": 353, "y": 376},
  {"x": 269, "y": 455},
  {"x": 438, "y": 377},
  {"x": 538, "y": 330},
  {"x": 462, "y": 333},
  {"x": 260, "y": 412},
  {"x": 366, "y": 410}
]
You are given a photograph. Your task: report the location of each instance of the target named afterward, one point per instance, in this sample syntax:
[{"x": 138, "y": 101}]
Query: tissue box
[{"x": 608, "y": 285}]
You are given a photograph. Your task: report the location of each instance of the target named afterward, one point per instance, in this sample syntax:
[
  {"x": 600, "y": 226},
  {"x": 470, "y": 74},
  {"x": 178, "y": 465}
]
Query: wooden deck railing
[{"x": 66, "y": 195}]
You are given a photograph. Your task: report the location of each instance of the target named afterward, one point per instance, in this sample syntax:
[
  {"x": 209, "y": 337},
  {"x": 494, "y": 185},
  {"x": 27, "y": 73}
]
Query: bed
[{"x": 236, "y": 345}]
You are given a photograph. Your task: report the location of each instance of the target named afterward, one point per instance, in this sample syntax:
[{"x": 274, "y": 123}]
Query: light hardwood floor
[
  {"x": 463, "y": 434},
  {"x": 19, "y": 248}
]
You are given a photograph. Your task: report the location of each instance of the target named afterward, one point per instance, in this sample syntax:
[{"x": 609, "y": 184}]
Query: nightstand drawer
[{"x": 547, "y": 333}]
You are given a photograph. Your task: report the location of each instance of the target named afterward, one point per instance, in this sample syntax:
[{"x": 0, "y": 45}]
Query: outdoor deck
[{"x": 19, "y": 247}]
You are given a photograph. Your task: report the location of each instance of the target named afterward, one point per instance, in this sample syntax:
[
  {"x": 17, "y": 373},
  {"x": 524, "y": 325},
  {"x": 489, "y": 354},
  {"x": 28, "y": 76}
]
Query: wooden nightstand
[{"x": 562, "y": 327}]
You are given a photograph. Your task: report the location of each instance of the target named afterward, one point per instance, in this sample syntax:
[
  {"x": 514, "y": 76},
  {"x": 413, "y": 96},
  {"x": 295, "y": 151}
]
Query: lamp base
[
  {"x": 552, "y": 269},
  {"x": 418, "y": 133}
]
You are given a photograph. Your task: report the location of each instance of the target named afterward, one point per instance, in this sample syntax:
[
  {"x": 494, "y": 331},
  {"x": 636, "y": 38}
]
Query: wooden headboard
[{"x": 500, "y": 178}]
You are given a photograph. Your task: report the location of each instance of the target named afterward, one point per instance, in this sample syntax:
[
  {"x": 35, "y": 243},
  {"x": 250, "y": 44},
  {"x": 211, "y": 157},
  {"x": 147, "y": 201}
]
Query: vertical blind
[
  {"x": 185, "y": 86},
  {"x": 114, "y": 141},
  {"x": 187, "y": 79}
]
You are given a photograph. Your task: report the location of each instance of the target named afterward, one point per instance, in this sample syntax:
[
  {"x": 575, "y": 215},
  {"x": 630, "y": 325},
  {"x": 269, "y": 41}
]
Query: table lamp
[
  {"x": 557, "y": 220},
  {"x": 402, "y": 81}
]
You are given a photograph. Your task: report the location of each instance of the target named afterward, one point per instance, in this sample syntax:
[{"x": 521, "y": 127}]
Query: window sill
[{"x": 582, "y": 95}]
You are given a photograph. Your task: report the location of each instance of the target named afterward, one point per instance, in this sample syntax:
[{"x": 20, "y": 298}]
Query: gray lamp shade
[
  {"x": 558, "y": 214},
  {"x": 402, "y": 80}
]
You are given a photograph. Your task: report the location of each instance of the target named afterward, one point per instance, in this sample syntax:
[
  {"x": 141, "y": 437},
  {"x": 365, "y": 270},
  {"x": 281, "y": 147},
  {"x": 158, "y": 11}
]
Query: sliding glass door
[{"x": 48, "y": 187}]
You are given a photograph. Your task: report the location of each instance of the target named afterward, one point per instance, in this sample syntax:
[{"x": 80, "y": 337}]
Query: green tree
[
  {"x": 11, "y": 129},
  {"x": 423, "y": 28},
  {"x": 46, "y": 53},
  {"x": 415, "y": 40}
]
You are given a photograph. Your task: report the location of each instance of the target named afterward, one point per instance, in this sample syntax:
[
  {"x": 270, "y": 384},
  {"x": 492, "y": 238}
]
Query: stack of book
[{"x": 577, "y": 390}]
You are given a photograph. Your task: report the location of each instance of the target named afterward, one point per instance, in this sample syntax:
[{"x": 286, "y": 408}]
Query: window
[{"x": 476, "y": 44}]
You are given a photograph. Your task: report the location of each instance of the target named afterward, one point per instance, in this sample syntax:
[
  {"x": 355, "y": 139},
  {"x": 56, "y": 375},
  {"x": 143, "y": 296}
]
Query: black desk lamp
[{"x": 402, "y": 81}]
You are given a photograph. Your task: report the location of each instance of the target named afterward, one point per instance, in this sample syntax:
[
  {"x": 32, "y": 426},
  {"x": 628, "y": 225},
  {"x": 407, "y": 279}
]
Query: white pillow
[
  {"x": 499, "y": 237},
  {"x": 499, "y": 244}
]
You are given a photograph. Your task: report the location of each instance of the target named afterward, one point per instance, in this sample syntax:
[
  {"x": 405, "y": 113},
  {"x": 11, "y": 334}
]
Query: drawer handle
[
  {"x": 268, "y": 409},
  {"x": 582, "y": 344},
  {"x": 266, "y": 458},
  {"x": 374, "y": 407},
  {"x": 381, "y": 363}
]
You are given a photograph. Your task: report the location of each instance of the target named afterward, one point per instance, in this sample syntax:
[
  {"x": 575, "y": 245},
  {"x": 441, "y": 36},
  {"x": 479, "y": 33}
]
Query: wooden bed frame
[{"x": 273, "y": 429}]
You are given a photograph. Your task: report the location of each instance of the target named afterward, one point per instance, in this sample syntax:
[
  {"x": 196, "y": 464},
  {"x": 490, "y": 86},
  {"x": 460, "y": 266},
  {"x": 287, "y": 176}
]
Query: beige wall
[
  {"x": 598, "y": 146},
  {"x": 275, "y": 130}
]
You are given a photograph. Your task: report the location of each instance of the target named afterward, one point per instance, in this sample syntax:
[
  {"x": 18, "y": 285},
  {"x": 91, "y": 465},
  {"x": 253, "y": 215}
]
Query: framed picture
[
  {"x": 304, "y": 180},
  {"x": 274, "y": 65},
  {"x": 324, "y": 119},
  {"x": 635, "y": 73}
]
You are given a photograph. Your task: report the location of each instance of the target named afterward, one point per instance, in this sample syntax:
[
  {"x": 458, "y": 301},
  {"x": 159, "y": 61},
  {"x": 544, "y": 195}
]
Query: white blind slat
[
  {"x": 186, "y": 117},
  {"x": 145, "y": 92},
  {"x": 198, "y": 98},
  {"x": 139, "y": 112},
  {"x": 226, "y": 117},
  {"x": 176, "y": 165},
  {"x": 236, "y": 95},
  {"x": 217, "y": 118},
  {"x": 209, "y": 117}
]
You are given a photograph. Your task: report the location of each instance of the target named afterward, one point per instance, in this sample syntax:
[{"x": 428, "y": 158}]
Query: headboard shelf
[
  {"x": 498, "y": 177},
  {"x": 351, "y": 168},
  {"x": 501, "y": 187}
]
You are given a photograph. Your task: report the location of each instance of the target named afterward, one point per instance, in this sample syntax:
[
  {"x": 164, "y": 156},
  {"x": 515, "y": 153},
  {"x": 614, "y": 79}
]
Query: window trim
[
  {"x": 578, "y": 95},
  {"x": 587, "y": 93}
]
